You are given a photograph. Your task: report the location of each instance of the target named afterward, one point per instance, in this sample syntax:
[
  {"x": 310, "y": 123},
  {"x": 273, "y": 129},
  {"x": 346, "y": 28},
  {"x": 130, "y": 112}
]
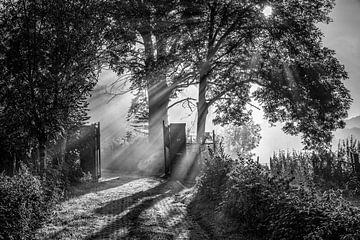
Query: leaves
[
  {"x": 50, "y": 60},
  {"x": 241, "y": 140},
  {"x": 246, "y": 195}
]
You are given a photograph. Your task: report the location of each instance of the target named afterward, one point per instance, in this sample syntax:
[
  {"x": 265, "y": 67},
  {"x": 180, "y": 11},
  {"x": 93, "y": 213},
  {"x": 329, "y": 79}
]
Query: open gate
[
  {"x": 174, "y": 145},
  {"x": 182, "y": 154},
  {"x": 90, "y": 158}
]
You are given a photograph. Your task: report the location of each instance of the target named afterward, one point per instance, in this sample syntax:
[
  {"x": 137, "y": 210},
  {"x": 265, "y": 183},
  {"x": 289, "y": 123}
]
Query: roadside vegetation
[{"x": 301, "y": 196}]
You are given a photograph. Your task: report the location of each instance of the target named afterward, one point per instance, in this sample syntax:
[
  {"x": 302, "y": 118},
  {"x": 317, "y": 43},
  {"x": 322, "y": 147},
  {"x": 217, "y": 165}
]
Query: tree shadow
[
  {"x": 91, "y": 187},
  {"x": 131, "y": 221}
]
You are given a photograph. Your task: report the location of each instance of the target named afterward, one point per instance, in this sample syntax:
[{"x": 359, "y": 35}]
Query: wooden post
[
  {"x": 99, "y": 149},
  {"x": 164, "y": 138},
  {"x": 214, "y": 143}
]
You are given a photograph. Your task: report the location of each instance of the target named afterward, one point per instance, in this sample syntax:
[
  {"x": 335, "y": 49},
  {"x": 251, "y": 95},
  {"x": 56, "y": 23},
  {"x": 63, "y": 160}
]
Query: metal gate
[{"x": 90, "y": 158}]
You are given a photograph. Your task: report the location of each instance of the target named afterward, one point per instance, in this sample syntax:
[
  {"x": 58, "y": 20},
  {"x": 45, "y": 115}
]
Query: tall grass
[{"x": 339, "y": 169}]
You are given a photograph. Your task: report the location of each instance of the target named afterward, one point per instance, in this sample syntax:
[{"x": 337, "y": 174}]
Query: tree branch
[
  {"x": 189, "y": 99},
  {"x": 226, "y": 90}
]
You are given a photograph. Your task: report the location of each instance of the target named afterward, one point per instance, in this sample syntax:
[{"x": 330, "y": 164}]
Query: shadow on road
[
  {"x": 91, "y": 187},
  {"x": 129, "y": 224}
]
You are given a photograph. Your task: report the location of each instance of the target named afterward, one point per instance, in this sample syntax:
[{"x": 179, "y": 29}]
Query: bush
[
  {"x": 214, "y": 176},
  {"x": 25, "y": 202},
  {"x": 71, "y": 170},
  {"x": 325, "y": 168},
  {"x": 68, "y": 172},
  {"x": 247, "y": 193},
  {"x": 303, "y": 214},
  {"x": 268, "y": 207}
]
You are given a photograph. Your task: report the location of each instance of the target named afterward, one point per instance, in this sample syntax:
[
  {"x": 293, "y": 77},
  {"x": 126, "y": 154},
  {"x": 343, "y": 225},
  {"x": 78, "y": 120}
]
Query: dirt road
[{"x": 124, "y": 207}]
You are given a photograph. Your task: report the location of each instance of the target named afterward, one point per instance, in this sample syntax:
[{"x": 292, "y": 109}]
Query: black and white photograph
[{"x": 180, "y": 119}]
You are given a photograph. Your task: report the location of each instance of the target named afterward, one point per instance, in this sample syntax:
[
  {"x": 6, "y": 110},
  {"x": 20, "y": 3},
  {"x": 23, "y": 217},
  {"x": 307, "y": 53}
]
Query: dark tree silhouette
[
  {"x": 151, "y": 64},
  {"x": 233, "y": 45},
  {"x": 49, "y": 61}
]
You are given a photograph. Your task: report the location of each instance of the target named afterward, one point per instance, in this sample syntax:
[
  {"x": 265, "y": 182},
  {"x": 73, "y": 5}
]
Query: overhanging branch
[{"x": 189, "y": 99}]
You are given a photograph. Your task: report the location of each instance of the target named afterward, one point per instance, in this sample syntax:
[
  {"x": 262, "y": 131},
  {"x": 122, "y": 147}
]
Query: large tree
[
  {"x": 49, "y": 60},
  {"x": 151, "y": 64},
  {"x": 233, "y": 45}
]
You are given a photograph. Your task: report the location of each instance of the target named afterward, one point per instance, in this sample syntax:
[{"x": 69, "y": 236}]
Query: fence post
[
  {"x": 214, "y": 143},
  {"x": 164, "y": 138}
]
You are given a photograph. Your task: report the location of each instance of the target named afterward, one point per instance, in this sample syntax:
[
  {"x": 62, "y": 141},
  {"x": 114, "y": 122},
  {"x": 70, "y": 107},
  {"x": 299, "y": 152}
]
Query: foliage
[
  {"x": 296, "y": 165},
  {"x": 143, "y": 49},
  {"x": 63, "y": 157},
  {"x": 301, "y": 80},
  {"x": 241, "y": 140},
  {"x": 87, "y": 177},
  {"x": 304, "y": 214},
  {"x": 25, "y": 202},
  {"x": 308, "y": 104},
  {"x": 138, "y": 114},
  {"x": 214, "y": 176},
  {"x": 233, "y": 45},
  {"x": 70, "y": 170},
  {"x": 324, "y": 168},
  {"x": 226, "y": 48},
  {"x": 253, "y": 201},
  {"x": 49, "y": 60}
]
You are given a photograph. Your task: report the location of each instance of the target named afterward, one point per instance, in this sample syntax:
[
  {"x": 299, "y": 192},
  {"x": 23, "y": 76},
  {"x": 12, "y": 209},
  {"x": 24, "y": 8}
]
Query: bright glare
[{"x": 267, "y": 11}]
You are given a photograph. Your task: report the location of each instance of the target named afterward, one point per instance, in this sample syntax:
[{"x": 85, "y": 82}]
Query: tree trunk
[
  {"x": 159, "y": 97},
  {"x": 42, "y": 154},
  {"x": 61, "y": 150},
  {"x": 202, "y": 104},
  {"x": 159, "y": 94}
]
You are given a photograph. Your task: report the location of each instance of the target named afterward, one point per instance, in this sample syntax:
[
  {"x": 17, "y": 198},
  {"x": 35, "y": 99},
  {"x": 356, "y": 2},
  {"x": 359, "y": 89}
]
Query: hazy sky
[{"x": 343, "y": 35}]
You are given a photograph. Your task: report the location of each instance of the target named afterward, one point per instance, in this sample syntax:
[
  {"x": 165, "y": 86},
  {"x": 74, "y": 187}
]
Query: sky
[{"x": 341, "y": 35}]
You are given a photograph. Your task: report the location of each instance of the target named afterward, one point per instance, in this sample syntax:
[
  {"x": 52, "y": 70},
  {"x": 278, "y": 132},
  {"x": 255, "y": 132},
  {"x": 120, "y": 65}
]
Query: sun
[{"x": 267, "y": 11}]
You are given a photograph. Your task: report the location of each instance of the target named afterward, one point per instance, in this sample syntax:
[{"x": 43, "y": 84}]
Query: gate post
[
  {"x": 166, "y": 139},
  {"x": 90, "y": 157}
]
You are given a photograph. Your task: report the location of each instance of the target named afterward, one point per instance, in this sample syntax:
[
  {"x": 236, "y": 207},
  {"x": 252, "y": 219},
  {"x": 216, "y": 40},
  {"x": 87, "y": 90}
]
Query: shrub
[
  {"x": 247, "y": 193},
  {"x": 25, "y": 201},
  {"x": 304, "y": 214},
  {"x": 297, "y": 165},
  {"x": 325, "y": 168},
  {"x": 269, "y": 207},
  {"x": 68, "y": 172},
  {"x": 86, "y": 178},
  {"x": 214, "y": 176}
]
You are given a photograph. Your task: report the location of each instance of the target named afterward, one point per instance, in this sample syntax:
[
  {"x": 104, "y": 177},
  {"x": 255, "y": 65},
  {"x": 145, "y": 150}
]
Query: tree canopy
[
  {"x": 241, "y": 140},
  {"x": 49, "y": 61},
  {"x": 233, "y": 46}
]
